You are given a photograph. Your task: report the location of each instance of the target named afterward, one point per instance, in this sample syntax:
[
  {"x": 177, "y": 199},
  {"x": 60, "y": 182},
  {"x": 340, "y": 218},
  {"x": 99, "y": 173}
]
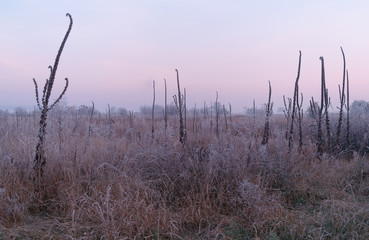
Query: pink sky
[{"x": 117, "y": 48}]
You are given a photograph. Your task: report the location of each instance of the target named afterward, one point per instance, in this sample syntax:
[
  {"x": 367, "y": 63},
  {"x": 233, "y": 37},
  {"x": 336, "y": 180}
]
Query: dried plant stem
[
  {"x": 348, "y": 113},
  {"x": 110, "y": 122},
  {"x": 131, "y": 119},
  {"x": 342, "y": 101},
  {"x": 40, "y": 160},
  {"x": 194, "y": 119},
  {"x": 287, "y": 114},
  {"x": 313, "y": 109},
  {"x": 269, "y": 112},
  {"x": 165, "y": 107},
  {"x": 211, "y": 116},
  {"x": 216, "y": 116},
  {"x": 181, "y": 127},
  {"x": 205, "y": 110},
  {"x": 254, "y": 117},
  {"x": 153, "y": 111},
  {"x": 60, "y": 130},
  {"x": 90, "y": 121},
  {"x": 225, "y": 117},
  {"x": 327, "y": 123},
  {"x": 320, "y": 112},
  {"x": 185, "y": 114},
  {"x": 300, "y": 115},
  {"x": 295, "y": 96}
]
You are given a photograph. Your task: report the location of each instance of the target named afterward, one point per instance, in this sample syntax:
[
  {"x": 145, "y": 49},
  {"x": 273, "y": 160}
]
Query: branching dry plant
[{"x": 45, "y": 106}]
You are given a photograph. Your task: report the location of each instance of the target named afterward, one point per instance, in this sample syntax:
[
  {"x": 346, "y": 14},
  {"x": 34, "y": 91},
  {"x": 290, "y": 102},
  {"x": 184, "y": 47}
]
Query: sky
[{"x": 118, "y": 48}]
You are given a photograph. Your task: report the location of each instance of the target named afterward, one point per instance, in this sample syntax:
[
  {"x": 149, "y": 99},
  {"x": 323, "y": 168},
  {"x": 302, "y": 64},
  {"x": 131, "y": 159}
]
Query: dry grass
[{"x": 126, "y": 185}]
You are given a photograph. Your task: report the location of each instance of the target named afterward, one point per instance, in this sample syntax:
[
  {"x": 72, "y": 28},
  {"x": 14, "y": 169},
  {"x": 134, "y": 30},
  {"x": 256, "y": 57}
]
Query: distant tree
[
  {"x": 359, "y": 107},
  {"x": 280, "y": 110},
  {"x": 83, "y": 110},
  {"x": 159, "y": 110},
  {"x": 21, "y": 112},
  {"x": 172, "y": 109},
  {"x": 220, "y": 108},
  {"x": 258, "y": 111},
  {"x": 122, "y": 111},
  {"x": 4, "y": 113}
]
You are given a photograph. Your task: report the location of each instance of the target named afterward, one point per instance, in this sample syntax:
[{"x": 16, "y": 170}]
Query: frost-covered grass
[{"x": 120, "y": 183}]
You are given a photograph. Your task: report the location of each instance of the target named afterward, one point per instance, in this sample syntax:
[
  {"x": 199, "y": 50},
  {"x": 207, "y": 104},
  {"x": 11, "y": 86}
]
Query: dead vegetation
[{"x": 128, "y": 186}]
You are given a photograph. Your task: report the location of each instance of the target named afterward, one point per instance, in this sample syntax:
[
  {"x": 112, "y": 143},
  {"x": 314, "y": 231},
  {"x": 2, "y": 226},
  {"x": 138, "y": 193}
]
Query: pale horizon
[{"x": 117, "y": 48}]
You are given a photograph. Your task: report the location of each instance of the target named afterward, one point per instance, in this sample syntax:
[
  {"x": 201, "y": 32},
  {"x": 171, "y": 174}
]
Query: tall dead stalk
[
  {"x": 194, "y": 119},
  {"x": 342, "y": 101},
  {"x": 205, "y": 110},
  {"x": 131, "y": 119},
  {"x": 216, "y": 116},
  {"x": 225, "y": 117},
  {"x": 348, "y": 113},
  {"x": 211, "y": 116},
  {"x": 320, "y": 109},
  {"x": 185, "y": 114},
  {"x": 44, "y": 106},
  {"x": 181, "y": 127},
  {"x": 299, "y": 117},
  {"x": 313, "y": 109},
  {"x": 90, "y": 121},
  {"x": 326, "y": 113},
  {"x": 287, "y": 113},
  {"x": 295, "y": 97},
  {"x": 254, "y": 117},
  {"x": 110, "y": 122},
  {"x": 165, "y": 107},
  {"x": 153, "y": 111},
  {"x": 269, "y": 112}
]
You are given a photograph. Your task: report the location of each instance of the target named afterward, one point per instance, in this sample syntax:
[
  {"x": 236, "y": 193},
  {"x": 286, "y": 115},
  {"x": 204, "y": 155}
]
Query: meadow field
[
  {"x": 76, "y": 173},
  {"x": 109, "y": 176}
]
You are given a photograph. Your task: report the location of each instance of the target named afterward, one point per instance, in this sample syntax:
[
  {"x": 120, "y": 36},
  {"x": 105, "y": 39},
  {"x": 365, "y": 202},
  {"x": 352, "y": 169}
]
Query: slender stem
[{"x": 295, "y": 96}]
